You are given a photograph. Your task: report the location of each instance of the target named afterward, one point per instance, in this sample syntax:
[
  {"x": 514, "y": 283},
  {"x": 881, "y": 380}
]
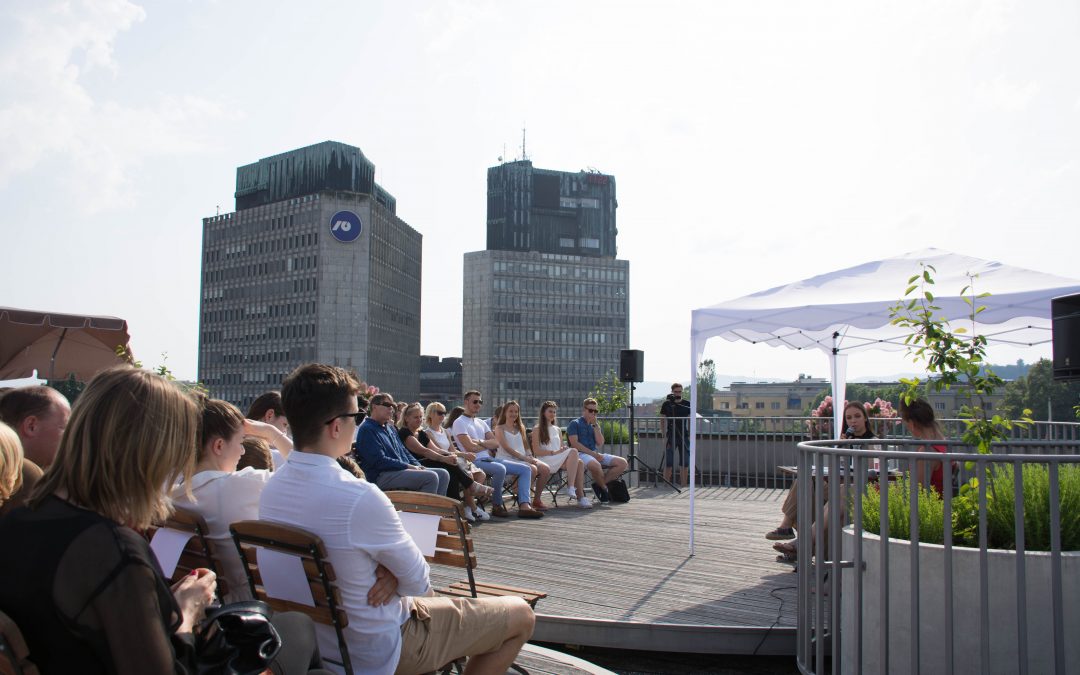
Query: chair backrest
[
  {"x": 198, "y": 552},
  {"x": 250, "y": 535},
  {"x": 13, "y": 650},
  {"x": 453, "y": 544}
]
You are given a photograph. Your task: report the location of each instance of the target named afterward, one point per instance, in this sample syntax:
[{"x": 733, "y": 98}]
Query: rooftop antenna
[
  {"x": 523, "y": 155},
  {"x": 218, "y": 208}
]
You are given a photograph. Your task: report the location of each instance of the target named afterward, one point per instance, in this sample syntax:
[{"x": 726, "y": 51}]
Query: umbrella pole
[{"x": 52, "y": 359}]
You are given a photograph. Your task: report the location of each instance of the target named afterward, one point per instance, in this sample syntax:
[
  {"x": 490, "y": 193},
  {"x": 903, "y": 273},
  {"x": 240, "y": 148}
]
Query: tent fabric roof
[{"x": 855, "y": 302}]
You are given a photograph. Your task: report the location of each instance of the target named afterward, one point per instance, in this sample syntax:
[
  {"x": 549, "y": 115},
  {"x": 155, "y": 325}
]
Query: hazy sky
[{"x": 754, "y": 143}]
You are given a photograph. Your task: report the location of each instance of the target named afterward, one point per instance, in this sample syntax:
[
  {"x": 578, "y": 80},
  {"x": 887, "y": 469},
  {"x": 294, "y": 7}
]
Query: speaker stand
[{"x": 634, "y": 459}]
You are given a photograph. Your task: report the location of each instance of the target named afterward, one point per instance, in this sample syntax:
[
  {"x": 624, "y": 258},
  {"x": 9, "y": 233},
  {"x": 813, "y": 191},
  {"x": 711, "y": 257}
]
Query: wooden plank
[{"x": 628, "y": 565}]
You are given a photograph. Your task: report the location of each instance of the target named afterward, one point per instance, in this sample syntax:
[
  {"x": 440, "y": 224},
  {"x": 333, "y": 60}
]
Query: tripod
[{"x": 634, "y": 459}]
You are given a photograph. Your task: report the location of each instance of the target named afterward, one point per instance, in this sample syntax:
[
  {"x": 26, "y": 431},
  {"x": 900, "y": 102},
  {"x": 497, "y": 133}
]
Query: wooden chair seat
[
  {"x": 454, "y": 547},
  {"x": 198, "y": 552},
  {"x": 251, "y": 535},
  {"x": 14, "y": 654}
]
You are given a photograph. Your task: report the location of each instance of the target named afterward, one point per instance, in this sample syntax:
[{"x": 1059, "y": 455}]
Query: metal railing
[
  {"x": 748, "y": 451},
  {"x": 973, "y": 603}
]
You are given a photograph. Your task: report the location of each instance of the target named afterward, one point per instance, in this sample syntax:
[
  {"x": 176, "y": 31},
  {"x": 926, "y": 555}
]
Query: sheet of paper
[
  {"x": 167, "y": 546},
  {"x": 423, "y": 528},
  {"x": 283, "y": 577}
]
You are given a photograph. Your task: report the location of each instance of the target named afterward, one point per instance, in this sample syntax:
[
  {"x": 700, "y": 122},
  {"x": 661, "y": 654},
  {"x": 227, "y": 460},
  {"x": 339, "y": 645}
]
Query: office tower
[
  {"x": 546, "y": 305},
  {"x": 313, "y": 266}
]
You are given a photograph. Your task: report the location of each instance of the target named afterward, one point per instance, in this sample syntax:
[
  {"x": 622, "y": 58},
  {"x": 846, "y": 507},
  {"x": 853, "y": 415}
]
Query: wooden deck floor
[{"x": 621, "y": 576}]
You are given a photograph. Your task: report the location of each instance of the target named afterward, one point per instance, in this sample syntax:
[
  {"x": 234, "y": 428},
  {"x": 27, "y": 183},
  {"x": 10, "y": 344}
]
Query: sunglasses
[
  {"x": 358, "y": 417},
  {"x": 591, "y": 410},
  {"x": 440, "y": 413},
  {"x": 477, "y": 401},
  {"x": 388, "y": 405}
]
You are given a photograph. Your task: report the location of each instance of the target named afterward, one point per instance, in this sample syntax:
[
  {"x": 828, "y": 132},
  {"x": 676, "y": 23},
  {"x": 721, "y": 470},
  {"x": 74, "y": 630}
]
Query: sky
[{"x": 753, "y": 144}]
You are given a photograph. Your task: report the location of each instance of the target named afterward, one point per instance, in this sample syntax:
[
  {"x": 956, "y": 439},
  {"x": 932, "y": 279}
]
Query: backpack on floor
[{"x": 617, "y": 490}]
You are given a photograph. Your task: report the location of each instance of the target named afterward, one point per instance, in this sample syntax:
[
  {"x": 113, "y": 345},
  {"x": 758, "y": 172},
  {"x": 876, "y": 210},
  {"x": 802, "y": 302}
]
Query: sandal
[
  {"x": 527, "y": 511},
  {"x": 788, "y": 558},
  {"x": 538, "y": 505},
  {"x": 480, "y": 491},
  {"x": 781, "y": 533},
  {"x": 786, "y": 548}
]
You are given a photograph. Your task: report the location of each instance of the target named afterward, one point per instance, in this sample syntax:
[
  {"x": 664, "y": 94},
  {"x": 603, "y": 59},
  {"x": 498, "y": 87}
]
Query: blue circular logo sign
[{"x": 345, "y": 226}]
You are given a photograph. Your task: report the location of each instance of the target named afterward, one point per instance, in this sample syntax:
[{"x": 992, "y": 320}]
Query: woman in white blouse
[
  {"x": 222, "y": 494},
  {"x": 510, "y": 433},
  {"x": 547, "y": 446}
]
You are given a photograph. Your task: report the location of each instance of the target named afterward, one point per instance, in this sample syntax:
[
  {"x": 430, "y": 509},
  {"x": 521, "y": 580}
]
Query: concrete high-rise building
[
  {"x": 546, "y": 307},
  {"x": 314, "y": 265}
]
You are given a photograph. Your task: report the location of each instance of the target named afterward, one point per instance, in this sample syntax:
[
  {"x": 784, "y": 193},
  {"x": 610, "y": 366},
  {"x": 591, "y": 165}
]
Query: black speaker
[
  {"x": 1065, "y": 319},
  {"x": 631, "y": 365}
]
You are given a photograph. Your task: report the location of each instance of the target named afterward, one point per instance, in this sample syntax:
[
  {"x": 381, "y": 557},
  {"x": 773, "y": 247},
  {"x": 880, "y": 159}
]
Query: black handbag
[
  {"x": 237, "y": 639},
  {"x": 618, "y": 492}
]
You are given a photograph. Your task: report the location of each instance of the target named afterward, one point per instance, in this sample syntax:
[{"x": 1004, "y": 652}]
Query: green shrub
[
  {"x": 1000, "y": 502},
  {"x": 615, "y": 433},
  {"x": 931, "y": 512}
]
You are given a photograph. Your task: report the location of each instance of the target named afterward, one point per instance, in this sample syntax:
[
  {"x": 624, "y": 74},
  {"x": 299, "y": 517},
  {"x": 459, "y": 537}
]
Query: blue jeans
[
  {"x": 524, "y": 473},
  {"x": 433, "y": 481}
]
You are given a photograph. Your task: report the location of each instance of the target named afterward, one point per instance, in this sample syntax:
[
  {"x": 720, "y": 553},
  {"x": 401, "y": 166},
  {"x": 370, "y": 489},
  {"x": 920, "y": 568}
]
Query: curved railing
[{"x": 877, "y": 603}]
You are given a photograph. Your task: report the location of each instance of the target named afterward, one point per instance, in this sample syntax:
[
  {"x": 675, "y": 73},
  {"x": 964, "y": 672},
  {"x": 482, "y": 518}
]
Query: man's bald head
[{"x": 39, "y": 415}]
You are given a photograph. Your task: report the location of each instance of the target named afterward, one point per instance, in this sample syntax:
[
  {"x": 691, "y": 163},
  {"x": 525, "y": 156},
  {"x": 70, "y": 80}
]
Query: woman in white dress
[
  {"x": 510, "y": 433},
  {"x": 547, "y": 446}
]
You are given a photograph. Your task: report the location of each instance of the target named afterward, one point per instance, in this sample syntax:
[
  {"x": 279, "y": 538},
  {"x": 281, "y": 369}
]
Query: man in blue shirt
[
  {"x": 585, "y": 436},
  {"x": 384, "y": 459}
]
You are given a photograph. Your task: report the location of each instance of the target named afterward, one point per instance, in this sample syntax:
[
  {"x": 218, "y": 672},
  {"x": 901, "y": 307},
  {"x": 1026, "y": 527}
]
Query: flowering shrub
[{"x": 820, "y": 426}]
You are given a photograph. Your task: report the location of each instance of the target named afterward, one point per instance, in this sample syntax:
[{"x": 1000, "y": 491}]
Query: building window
[
  {"x": 775, "y": 405},
  {"x": 759, "y": 405}
]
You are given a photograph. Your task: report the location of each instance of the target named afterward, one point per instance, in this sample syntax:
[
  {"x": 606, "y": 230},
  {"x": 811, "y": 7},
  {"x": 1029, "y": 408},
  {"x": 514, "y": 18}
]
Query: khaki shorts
[{"x": 441, "y": 630}]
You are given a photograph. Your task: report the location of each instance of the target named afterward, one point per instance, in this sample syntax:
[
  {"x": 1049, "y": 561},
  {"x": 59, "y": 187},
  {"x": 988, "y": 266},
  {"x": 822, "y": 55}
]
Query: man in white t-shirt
[{"x": 361, "y": 530}]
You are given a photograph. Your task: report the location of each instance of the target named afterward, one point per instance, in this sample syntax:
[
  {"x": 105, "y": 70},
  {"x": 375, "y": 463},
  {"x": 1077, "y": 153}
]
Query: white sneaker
[
  {"x": 584, "y": 503},
  {"x": 482, "y": 515},
  {"x": 571, "y": 492},
  {"x": 469, "y": 515}
]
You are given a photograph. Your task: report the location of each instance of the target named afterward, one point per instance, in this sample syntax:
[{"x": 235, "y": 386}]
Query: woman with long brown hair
[
  {"x": 510, "y": 433},
  {"x": 548, "y": 447}
]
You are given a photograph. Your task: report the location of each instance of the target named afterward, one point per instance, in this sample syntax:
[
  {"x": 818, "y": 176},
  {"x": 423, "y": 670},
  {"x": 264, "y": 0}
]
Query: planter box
[{"x": 967, "y": 647}]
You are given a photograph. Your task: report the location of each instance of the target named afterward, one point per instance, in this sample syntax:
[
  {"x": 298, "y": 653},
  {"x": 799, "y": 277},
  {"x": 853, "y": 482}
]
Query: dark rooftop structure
[
  {"x": 329, "y": 165},
  {"x": 561, "y": 212}
]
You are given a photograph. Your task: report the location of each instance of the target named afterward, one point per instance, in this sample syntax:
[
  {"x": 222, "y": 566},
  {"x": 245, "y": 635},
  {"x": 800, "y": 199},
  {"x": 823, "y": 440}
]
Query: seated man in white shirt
[{"x": 361, "y": 530}]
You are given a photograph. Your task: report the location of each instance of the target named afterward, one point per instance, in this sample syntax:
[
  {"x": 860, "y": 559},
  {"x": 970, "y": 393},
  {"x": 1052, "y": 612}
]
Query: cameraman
[{"x": 676, "y": 412}]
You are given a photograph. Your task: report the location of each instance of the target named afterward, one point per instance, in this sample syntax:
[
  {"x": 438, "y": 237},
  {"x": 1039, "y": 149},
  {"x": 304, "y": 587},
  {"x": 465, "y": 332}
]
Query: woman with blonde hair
[
  {"x": 11, "y": 463},
  {"x": 417, "y": 442},
  {"x": 510, "y": 433},
  {"x": 85, "y": 589},
  {"x": 547, "y": 446},
  {"x": 434, "y": 415}
]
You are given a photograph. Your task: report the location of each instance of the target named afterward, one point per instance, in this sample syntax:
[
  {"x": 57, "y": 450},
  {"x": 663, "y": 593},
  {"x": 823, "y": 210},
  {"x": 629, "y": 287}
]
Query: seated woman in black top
[
  {"x": 81, "y": 584},
  {"x": 430, "y": 455}
]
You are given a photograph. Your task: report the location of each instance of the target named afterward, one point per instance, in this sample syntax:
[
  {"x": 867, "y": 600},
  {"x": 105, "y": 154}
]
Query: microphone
[{"x": 849, "y": 432}]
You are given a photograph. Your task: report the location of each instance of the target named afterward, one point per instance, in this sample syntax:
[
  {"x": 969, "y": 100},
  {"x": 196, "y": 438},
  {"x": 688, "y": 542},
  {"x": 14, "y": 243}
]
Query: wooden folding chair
[
  {"x": 454, "y": 546},
  {"x": 250, "y": 535},
  {"x": 14, "y": 654},
  {"x": 199, "y": 550}
]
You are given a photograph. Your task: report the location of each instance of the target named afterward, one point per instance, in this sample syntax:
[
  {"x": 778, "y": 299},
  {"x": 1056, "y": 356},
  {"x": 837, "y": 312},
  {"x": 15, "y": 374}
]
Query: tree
[
  {"x": 1038, "y": 390},
  {"x": 706, "y": 385},
  {"x": 611, "y": 394},
  {"x": 952, "y": 356},
  {"x": 70, "y": 388}
]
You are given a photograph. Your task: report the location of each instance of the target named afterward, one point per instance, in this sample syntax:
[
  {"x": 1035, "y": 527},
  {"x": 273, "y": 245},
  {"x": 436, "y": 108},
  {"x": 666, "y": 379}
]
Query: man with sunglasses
[
  {"x": 385, "y": 461},
  {"x": 586, "y": 437},
  {"x": 408, "y": 632}
]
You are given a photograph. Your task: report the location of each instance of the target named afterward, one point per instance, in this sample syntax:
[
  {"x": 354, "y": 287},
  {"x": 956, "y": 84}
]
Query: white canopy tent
[{"x": 848, "y": 310}]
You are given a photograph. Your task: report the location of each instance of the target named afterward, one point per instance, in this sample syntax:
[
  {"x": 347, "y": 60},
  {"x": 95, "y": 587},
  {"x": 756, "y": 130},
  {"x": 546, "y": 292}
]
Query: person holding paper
[
  {"x": 82, "y": 585},
  {"x": 361, "y": 530}
]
